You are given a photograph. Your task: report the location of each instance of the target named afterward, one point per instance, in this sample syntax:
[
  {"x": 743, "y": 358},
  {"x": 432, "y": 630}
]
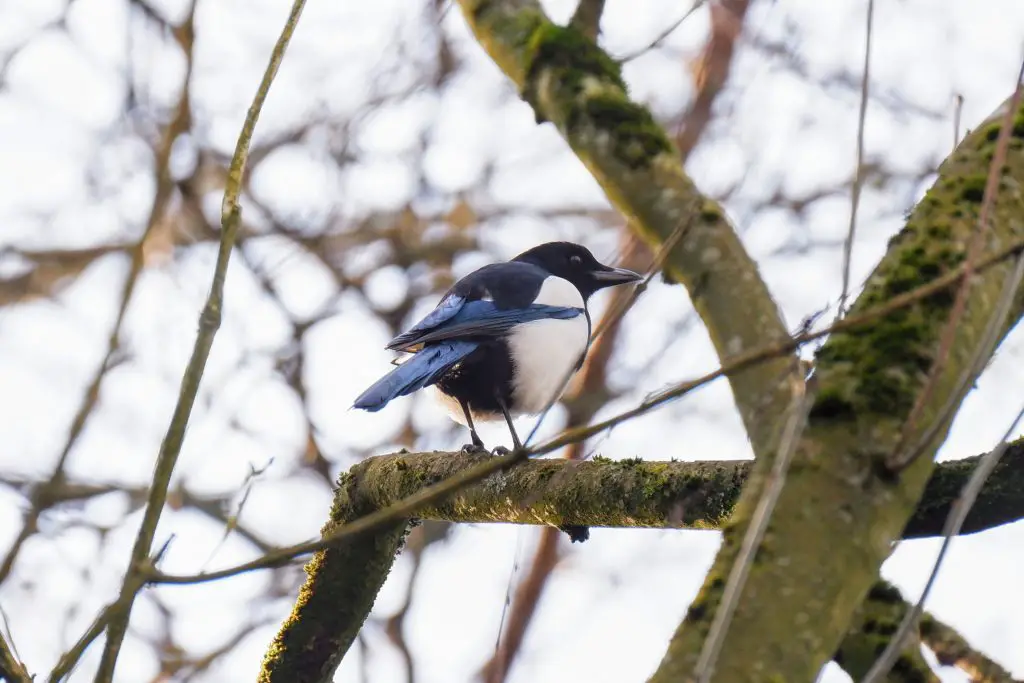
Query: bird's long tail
[{"x": 422, "y": 370}]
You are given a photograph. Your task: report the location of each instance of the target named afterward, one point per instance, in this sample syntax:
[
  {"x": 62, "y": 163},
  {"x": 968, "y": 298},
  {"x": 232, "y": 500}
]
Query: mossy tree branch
[
  {"x": 876, "y": 622},
  {"x": 343, "y": 581},
  {"x": 868, "y": 379},
  {"x": 873, "y": 625},
  {"x": 572, "y": 83}
]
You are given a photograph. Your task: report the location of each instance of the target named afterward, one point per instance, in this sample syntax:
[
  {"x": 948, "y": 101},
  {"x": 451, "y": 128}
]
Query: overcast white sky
[{"x": 73, "y": 173}]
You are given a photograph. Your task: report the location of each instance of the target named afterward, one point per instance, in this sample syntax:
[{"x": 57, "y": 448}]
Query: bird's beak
[{"x": 614, "y": 276}]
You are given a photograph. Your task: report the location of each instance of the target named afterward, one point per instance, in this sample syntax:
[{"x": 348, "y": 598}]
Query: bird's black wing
[{"x": 486, "y": 303}]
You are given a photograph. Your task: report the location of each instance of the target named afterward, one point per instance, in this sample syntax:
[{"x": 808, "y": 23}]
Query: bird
[{"x": 504, "y": 340}]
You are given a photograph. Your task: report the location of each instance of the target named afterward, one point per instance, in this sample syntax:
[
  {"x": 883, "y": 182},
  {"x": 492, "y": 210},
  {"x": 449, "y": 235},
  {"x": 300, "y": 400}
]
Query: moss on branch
[
  {"x": 635, "y": 493},
  {"x": 341, "y": 584},
  {"x": 804, "y": 587},
  {"x": 874, "y": 624},
  {"x": 879, "y": 618},
  {"x": 574, "y": 84}
]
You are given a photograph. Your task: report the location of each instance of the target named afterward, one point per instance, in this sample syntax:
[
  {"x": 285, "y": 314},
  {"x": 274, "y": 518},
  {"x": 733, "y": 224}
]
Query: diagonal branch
[
  {"x": 869, "y": 382},
  {"x": 875, "y": 623},
  {"x": 952, "y": 649},
  {"x": 631, "y": 493},
  {"x": 209, "y": 322},
  {"x": 572, "y": 83},
  {"x": 11, "y": 668},
  {"x": 587, "y": 18}
]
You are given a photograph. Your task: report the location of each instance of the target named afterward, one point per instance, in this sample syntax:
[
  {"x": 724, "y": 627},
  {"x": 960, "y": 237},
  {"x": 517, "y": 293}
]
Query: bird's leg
[
  {"x": 508, "y": 420},
  {"x": 478, "y": 443}
]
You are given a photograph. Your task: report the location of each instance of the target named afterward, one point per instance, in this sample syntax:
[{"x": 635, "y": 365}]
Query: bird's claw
[
  {"x": 473, "y": 448},
  {"x": 500, "y": 450}
]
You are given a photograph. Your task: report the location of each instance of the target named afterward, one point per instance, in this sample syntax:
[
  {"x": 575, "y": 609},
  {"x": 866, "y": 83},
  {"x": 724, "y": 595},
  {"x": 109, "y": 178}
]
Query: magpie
[{"x": 504, "y": 339}]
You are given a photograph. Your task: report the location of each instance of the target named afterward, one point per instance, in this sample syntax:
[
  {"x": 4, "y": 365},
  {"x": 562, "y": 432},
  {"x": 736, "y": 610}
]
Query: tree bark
[
  {"x": 575, "y": 85},
  {"x": 343, "y": 581},
  {"x": 803, "y": 589}
]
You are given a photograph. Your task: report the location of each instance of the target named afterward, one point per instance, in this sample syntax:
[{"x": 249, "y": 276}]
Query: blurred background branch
[{"x": 393, "y": 159}]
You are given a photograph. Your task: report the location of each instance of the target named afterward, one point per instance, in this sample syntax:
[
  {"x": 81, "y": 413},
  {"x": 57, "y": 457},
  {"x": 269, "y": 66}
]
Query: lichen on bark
[
  {"x": 837, "y": 488},
  {"x": 574, "y": 84},
  {"x": 341, "y": 584}
]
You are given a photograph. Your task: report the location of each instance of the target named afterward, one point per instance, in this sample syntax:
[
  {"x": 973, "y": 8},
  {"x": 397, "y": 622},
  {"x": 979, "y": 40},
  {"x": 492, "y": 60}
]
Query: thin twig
[
  {"x": 958, "y": 109},
  {"x": 954, "y": 522},
  {"x": 209, "y": 322},
  {"x": 790, "y": 437},
  {"x": 858, "y": 178},
  {"x": 69, "y": 660},
  {"x": 613, "y": 317},
  {"x": 11, "y": 668},
  {"x": 901, "y": 456},
  {"x": 408, "y": 506},
  {"x": 630, "y": 56}
]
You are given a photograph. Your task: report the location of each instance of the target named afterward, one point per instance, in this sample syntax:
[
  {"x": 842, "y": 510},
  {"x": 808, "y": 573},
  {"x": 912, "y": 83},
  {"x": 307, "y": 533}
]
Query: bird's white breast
[{"x": 545, "y": 352}]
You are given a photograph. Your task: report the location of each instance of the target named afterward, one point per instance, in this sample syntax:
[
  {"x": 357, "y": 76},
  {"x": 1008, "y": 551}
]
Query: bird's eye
[{"x": 575, "y": 260}]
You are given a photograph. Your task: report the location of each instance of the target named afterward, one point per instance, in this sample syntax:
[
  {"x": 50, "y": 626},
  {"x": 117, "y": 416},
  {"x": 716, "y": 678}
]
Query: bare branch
[
  {"x": 587, "y": 18},
  {"x": 209, "y": 322},
  {"x": 11, "y": 668},
  {"x": 574, "y": 84},
  {"x": 858, "y": 177}
]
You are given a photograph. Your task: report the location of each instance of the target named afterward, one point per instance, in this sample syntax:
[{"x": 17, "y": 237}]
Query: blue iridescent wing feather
[{"x": 456, "y": 318}]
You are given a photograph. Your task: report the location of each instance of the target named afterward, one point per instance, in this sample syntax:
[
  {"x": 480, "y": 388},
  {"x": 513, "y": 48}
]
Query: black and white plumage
[{"x": 504, "y": 339}]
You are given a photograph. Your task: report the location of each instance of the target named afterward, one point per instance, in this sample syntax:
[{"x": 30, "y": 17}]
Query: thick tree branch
[
  {"x": 869, "y": 633},
  {"x": 651, "y": 494},
  {"x": 572, "y": 83},
  {"x": 632, "y": 493},
  {"x": 342, "y": 584},
  {"x": 879, "y": 618},
  {"x": 869, "y": 380}
]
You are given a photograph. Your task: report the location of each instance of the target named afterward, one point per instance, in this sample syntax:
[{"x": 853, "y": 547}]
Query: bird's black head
[{"x": 576, "y": 264}]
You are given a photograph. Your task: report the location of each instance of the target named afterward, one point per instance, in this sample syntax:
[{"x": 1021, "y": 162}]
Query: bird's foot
[
  {"x": 473, "y": 448},
  {"x": 500, "y": 450}
]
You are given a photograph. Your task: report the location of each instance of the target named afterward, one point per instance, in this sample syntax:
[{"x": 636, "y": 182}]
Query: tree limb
[
  {"x": 870, "y": 632},
  {"x": 652, "y": 494},
  {"x": 572, "y": 83},
  {"x": 343, "y": 580},
  {"x": 869, "y": 380},
  {"x": 952, "y": 649},
  {"x": 587, "y": 18},
  {"x": 342, "y": 584},
  {"x": 879, "y": 618}
]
